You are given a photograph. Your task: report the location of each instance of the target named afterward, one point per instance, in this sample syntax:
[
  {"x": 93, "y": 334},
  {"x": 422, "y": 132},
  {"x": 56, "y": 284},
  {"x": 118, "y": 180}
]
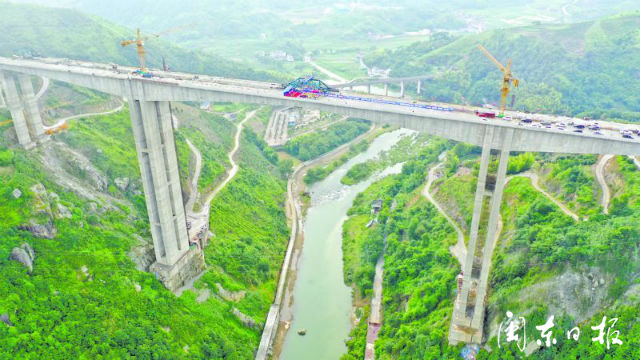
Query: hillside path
[
  {"x": 234, "y": 165},
  {"x": 64, "y": 120},
  {"x": 193, "y": 196},
  {"x": 43, "y": 88},
  {"x": 459, "y": 250},
  {"x": 535, "y": 182},
  {"x": 635, "y": 161},
  {"x": 606, "y": 193}
]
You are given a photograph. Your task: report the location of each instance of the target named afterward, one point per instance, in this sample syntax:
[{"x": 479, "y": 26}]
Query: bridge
[
  {"x": 386, "y": 81},
  {"x": 149, "y": 99}
]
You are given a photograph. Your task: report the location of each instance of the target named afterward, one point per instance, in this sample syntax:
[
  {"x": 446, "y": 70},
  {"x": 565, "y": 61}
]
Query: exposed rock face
[
  {"x": 25, "y": 255},
  {"x": 230, "y": 295},
  {"x": 143, "y": 256},
  {"x": 16, "y": 193},
  {"x": 579, "y": 294},
  {"x": 41, "y": 202},
  {"x": 246, "y": 320},
  {"x": 122, "y": 183},
  {"x": 174, "y": 277},
  {"x": 5, "y": 319},
  {"x": 62, "y": 212},
  {"x": 47, "y": 231}
]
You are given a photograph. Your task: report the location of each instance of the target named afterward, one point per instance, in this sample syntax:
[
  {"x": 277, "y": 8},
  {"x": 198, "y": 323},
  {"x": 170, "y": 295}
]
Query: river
[{"x": 322, "y": 302}]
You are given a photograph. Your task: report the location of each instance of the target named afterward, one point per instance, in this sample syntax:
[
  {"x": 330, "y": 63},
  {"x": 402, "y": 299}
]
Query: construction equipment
[
  {"x": 506, "y": 80},
  {"x": 139, "y": 41}
]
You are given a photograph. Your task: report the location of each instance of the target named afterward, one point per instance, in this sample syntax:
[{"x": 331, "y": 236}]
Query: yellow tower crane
[
  {"x": 139, "y": 41},
  {"x": 506, "y": 80}
]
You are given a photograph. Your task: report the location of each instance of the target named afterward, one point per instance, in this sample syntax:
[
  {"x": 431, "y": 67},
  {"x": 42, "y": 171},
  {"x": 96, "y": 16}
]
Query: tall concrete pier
[
  {"x": 34, "y": 120},
  {"x": 468, "y": 313},
  {"x": 26, "y": 138},
  {"x": 151, "y": 123},
  {"x": 153, "y": 133}
]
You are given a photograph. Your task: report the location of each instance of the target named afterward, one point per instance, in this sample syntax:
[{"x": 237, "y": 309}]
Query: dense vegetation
[
  {"x": 408, "y": 147},
  {"x": 64, "y": 33},
  {"x": 567, "y": 69},
  {"x": 309, "y": 146},
  {"x": 60, "y": 311},
  {"x": 539, "y": 243}
]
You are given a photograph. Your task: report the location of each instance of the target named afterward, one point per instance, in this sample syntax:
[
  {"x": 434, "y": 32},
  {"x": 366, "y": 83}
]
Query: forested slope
[
  {"x": 81, "y": 208},
  {"x": 586, "y": 68},
  {"x": 56, "y": 32},
  {"x": 546, "y": 263}
]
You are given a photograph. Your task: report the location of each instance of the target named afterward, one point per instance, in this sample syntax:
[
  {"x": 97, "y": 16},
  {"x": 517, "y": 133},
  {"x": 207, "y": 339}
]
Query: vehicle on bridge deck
[
  {"x": 144, "y": 74},
  {"x": 485, "y": 114},
  {"x": 309, "y": 87}
]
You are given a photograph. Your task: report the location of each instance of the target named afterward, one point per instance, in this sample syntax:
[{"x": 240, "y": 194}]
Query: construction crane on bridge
[
  {"x": 506, "y": 80},
  {"x": 139, "y": 41}
]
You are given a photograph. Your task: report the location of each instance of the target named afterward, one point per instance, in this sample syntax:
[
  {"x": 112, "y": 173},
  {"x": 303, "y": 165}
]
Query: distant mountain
[
  {"x": 588, "y": 68},
  {"x": 59, "y": 32},
  {"x": 255, "y": 25}
]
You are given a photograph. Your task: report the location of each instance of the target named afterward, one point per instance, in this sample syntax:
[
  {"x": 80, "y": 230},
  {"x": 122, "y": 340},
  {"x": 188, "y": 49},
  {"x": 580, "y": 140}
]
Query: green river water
[{"x": 322, "y": 302}]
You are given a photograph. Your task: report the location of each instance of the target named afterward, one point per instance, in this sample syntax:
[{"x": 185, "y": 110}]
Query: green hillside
[
  {"x": 54, "y": 32},
  {"x": 588, "y": 68}
]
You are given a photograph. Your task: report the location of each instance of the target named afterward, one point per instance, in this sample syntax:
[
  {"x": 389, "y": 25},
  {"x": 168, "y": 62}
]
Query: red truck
[{"x": 485, "y": 114}]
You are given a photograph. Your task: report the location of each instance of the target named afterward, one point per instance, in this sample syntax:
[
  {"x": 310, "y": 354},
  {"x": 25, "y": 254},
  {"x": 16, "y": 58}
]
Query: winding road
[
  {"x": 459, "y": 250},
  {"x": 234, "y": 165},
  {"x": 195, "y": 177},
  {"x": 64, "y": 120},
  {"x": 635, "y": 161},
  {"x": 535, "y": 182},
  {"x": 606, "y": 193}
]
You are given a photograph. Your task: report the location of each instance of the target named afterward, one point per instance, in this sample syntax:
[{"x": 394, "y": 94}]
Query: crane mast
[
  {"x": 507, "y": 79},
  {"x": 139, "y": 41}
]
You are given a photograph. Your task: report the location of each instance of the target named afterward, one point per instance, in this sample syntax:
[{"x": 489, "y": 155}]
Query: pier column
[
  {"x": 151, "y": 123},
  {"x": 468, "y": 313},
  {"x": 369, "y": 89},
  {"x": 386, "y": 89},
  {"x": 17, "y": 112},
  {"x": 401, "y": 89},
  {"x": 3, "y": 104},
  {"x": 31, "y": 107},
  {"x": 419, "y": 87}
]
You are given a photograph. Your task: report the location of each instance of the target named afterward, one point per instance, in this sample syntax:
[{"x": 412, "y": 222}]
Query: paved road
[
  {"x": 43, "y": 88},
  {"x": 234, "y": 166},
  {"x": 193, "y": 197},
  {"x": 606, "y": 193},
  {"x": 535, "y": 182},
  {"x": 64, "y": 120},
  {"x": 459, "y": 250},
  {"x": 336, "y": 79},
  {"x": 635, "y": 161}
]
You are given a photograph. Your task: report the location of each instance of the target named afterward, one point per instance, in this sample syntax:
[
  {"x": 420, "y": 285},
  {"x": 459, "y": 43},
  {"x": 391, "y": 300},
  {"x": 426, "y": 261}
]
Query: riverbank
[
  {"x": 318, "y": 300},
  {"x": 294, "y": 209}
]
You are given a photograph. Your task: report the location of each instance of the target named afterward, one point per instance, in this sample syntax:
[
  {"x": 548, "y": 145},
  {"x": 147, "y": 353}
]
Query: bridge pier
[
  {"x": 386, "y": 89},
  {"x": 153, "y": 133},
  {"x": 401, "y": 89},
  {"x": 468, "y": 313},
  {"x": 419, "y": 87},
  {"x": 31, "y": 106},
  {"x": 369, "y": 89},
  {"x": 3, "y": 104},
  {"x": 14, "y": 103}
]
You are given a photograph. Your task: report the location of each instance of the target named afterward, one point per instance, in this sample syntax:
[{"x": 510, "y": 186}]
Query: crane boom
[
  {"x": 506, "y": 80},
  {"x": 488, "y": 54},
  {"x": 139, "y": 41}
]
